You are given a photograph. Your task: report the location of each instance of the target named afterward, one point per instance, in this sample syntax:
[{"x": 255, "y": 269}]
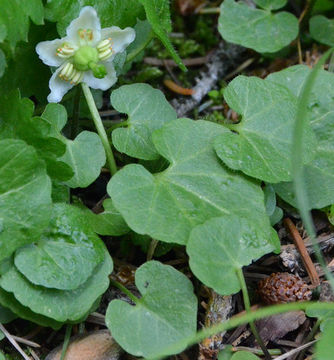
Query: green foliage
[
  {"x": 110, "y": 221},
  {"x": 66, "y": 254},
  {"x": 25, "y": 196},
  {"x": 319, "y": 173},
  {"x": 14, "y": 19},
  {"x": 261, "y": 144},
  {"x": 62, "y": 306},
  {"x": 17, "y": 122},
  {"x": 6, "y": 315},
  {"x": 244, "y": 355},
  {"x": 271, "y": 4},
  {"x": 322, "y": 29},
  {"x": 164, "y": 315},
  {"x": 148, "y": 110},
  {"x": 121, "y": 13},
  {"x": 221, "y": 246},
  {"x": 85, "y": 155},
  {"x": 158, "y": 14},
  {"x": 194, "y": 188},
  {"x": 324, "y": 348},
  {"x": 257, "y": 29}
]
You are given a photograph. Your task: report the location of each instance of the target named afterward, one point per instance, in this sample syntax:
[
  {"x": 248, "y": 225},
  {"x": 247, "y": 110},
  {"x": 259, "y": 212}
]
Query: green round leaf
[
  {"x": 255, "y": 28},
  {"x": 86, "y": 156},
  {"x": 271, "y": 4},
  {"x": 148, "y": 110},
  {"x": 166, "y": 313},
  {"x": 322, "y": 29},
  {"x": 67, "y": 253},
  {"x": 261, "y": 144},
  {"x": 221, "y": 246},
  {"x": 194, "y": 188},
  {"x": 109, "y": 222},
  {"x": 25, "y": 196},
  {"x": 318, "y": 173},
  {"x": 25, "y": 313},
  {"x": 60, "y": 305}
]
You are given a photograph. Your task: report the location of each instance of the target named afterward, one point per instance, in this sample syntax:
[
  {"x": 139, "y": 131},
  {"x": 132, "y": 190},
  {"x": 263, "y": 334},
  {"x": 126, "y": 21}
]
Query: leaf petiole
[{"x": 124, "y": 290}]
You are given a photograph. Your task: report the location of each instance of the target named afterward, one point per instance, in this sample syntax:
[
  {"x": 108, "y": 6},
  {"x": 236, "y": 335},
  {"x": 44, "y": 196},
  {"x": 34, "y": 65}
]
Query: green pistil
[{"x": 84, "y": 57}]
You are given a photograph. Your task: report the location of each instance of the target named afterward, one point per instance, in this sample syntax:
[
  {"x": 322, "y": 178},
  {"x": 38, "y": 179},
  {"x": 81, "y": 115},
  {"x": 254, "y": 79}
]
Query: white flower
[{"x": 85, "y": 54}]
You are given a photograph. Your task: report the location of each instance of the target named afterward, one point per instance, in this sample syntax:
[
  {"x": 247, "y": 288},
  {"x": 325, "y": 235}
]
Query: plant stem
[
  {"x": 76, "y": 112},
  {"x": 124, "y": 290},
  {"x": 66, "y": 341},
  {"x": 238, "y": 320},
  {"x": 100, "y": 128},
  {"x": 153, "y": 245},
  {"x": 298, "y": 149},
  {"x": 248, "y": 309}
]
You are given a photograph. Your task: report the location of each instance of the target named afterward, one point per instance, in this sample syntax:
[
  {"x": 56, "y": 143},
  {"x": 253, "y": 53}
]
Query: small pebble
[{"x": 96, "y": 345}]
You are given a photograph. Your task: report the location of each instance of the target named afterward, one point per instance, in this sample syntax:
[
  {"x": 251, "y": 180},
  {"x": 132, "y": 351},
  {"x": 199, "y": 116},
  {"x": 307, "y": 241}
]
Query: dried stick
[
  {"x": 14, "y": 343},
  {"x": 300, "y": 245},
  {"x": 223, "y": 59}
]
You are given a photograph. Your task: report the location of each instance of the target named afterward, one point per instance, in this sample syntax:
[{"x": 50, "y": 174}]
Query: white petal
[
  {"x": 47, "y": 52},
  {"x": 58, "y": 87},
  {"x": 120, "y": 39},
  {"x": 103, "y": 84},
  {"x": 87, "y": 19}
]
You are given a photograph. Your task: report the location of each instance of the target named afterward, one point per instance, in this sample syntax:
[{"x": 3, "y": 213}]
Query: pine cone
[{"x": 283, "y": 288}]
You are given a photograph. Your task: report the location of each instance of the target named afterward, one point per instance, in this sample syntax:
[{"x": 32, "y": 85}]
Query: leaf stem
[
  {"x": 66, "y": 341},
  {"x": 298, "y": 164},
  {"x": 100, "y": 128},
  {"x": 248, "y": 309},
  {"x": 127, "y": 292},
  {"x": 238, "y": 320}
]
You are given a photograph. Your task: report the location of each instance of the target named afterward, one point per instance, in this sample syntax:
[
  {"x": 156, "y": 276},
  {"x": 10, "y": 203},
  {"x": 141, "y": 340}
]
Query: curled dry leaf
[{"x": 96, "y": 345}]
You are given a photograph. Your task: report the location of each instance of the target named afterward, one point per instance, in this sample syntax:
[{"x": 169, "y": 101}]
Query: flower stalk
[{"x": 100, "y": 128}]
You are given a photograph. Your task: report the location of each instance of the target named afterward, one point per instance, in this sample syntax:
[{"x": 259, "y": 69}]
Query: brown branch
[{"x": 300, "y": 245}]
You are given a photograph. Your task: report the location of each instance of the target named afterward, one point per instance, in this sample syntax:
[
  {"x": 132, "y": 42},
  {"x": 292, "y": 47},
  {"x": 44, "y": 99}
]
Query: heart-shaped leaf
[
  {"x": 109, "y": 222},
  {"x": 222, "y": 246},
  {"x": 60, "y": 305},
  {"x": 261, "y": 144},
  {"x": 194, "y": 188},
  {"x": 67, "y": 253},
  {"x": 86, "y": 156},
  {"x": 148, "y": 110},
  {"x": 319, "y": 173},
  {"x": 244, "y": 355},
  {"x": 164, "y": 315},
  {"x": 257, "y": 29},
  {"x": 322, "y": 29},
  {"x": 25, "y": 196}
]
